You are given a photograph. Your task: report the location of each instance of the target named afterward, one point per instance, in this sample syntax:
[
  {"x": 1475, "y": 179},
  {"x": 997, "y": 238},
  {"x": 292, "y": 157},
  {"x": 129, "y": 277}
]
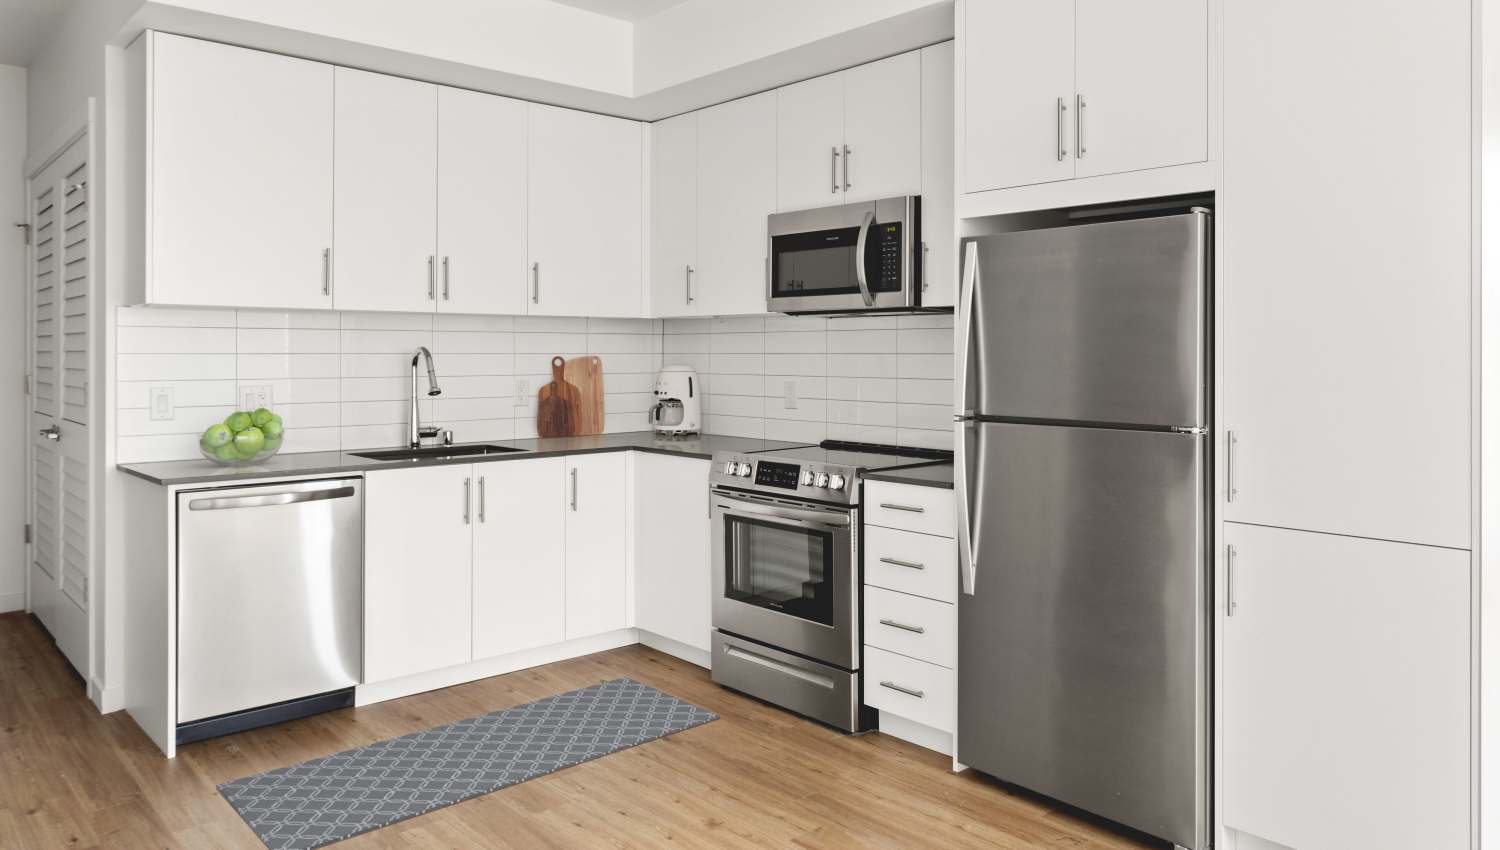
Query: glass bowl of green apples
[{"x": 244, "y": 437}]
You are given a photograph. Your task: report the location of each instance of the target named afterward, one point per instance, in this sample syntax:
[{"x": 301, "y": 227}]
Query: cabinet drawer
[
  {"x": 910, "y": 625},
  {"x": 919, "y": 564},
  {"x": 928, "y": 510},
  {"x": 912, "y": 689}
]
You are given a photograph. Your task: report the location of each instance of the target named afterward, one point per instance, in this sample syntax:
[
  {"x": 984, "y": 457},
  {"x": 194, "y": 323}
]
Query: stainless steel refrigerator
[{"x": 1084, "y": 456}]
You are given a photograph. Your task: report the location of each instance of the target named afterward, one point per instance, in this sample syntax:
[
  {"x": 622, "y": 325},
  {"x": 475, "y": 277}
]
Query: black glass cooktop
[{"x": 862, "y": 456}]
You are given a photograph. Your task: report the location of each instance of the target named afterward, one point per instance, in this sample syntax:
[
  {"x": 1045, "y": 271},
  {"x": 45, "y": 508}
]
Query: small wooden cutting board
[
  {"x": 557, "y": 405},
  {"x": 587, "y": 374}
]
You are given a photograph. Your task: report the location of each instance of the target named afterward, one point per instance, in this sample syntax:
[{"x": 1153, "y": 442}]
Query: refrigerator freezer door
[
  {"x": 1099, "y": 323},
  {"x": 1082, "y": 651}
]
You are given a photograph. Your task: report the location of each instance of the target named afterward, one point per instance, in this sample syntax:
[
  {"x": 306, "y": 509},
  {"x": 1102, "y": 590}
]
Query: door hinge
[
  {"x": 25, "y": 231},
  {"x": 28, "y": 534}
]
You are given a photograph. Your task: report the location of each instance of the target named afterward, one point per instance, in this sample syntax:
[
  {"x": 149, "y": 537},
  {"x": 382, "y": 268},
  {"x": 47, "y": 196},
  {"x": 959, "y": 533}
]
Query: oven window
[{"x": 780, "y": 567}]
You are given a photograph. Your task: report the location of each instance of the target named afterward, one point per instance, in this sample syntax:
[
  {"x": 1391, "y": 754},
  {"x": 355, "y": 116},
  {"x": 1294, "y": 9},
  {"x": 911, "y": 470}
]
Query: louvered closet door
[{"x": 62, "y": 275}]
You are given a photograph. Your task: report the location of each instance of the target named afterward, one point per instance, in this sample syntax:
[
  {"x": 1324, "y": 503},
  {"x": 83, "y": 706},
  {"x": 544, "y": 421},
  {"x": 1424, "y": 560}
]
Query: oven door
[
  {"x": 847, "y": 258},
  {"x": 784, "y": 576}
]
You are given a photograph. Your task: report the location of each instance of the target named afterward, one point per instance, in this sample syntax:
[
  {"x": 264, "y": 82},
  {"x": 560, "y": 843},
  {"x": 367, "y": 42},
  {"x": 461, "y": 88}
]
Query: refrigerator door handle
[
  {"x": 963, "y": 404},
  {"x": 968, "y": 549}
]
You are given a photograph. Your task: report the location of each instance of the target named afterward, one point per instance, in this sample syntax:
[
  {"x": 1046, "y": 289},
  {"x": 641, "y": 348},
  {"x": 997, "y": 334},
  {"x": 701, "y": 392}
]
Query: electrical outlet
[
  {"x": 523, "y": 392},
  {"x": 789, "y": 394},
  {"x": 162, "y": 406},
  {"x": 255, "y": 395}
]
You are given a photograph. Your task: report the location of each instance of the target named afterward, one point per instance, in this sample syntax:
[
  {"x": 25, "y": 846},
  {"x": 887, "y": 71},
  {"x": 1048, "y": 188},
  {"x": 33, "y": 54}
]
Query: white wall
[{"x": 13, "y": 332}]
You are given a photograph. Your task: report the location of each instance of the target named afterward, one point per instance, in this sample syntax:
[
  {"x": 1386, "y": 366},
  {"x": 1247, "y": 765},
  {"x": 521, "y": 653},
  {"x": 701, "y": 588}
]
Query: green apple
[
  {"x": 273, "y": 444},
  {"x": 273, "y": 429},
  {"x": 249, "y": 442},
  {"x": 227, "y": 453},
  {"x": 217, "y": 435},
  {"x": 238, "y": 421},
  {"x": 260, "y": 417}
]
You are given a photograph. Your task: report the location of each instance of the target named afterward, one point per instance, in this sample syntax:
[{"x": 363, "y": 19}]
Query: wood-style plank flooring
[{"x": 757, "y": 778}]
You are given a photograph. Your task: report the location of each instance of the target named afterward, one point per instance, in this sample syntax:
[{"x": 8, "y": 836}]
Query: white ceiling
[
  {"x": 25, "y": 26},
  {"x": 625, "y": 10}
]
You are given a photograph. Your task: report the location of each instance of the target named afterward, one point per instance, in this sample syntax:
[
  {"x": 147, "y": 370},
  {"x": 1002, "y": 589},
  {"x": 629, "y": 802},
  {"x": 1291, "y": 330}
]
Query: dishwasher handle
[{"x": 268, "y": 499}]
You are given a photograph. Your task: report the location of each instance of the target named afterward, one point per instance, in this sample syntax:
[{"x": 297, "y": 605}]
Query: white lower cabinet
[
  {"x": 673, "y": 559},
  {"x": 418, "y": 551},
  {"x": 1346, "y": 691},
  {"x": 519, "y": 568},
  {"x": 910, "y": 688},
  {"x": 595, "y": 544}
]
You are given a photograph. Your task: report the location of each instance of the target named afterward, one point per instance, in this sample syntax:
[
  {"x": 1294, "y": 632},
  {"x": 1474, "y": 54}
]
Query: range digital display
[{"x": 772, "y": 474}]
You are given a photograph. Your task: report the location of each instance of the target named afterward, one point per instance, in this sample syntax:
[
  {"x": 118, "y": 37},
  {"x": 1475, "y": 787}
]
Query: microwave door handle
[{"x": 859, "y": 259}]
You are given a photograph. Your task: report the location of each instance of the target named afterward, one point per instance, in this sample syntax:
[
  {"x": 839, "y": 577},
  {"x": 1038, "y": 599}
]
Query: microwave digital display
[{"x": 771, "y": 474}]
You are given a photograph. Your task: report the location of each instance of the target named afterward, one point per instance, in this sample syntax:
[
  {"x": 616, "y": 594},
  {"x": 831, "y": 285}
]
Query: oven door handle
[
  {"x": 860, "y": 274},
  {"x": 794, "y": 515}
]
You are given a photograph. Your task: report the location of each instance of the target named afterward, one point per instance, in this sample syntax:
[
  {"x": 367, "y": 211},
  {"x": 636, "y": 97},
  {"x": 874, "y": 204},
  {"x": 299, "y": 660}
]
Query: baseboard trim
[
  {"x": 12, "y": 601},
  {"x": 916, "y": 733},
  {"x": 677, "y": 649},
  {"x": 107, "y": 700}
]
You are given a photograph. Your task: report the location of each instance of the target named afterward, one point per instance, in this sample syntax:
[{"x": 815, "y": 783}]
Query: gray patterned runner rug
[{"x": 329, "y": 799}]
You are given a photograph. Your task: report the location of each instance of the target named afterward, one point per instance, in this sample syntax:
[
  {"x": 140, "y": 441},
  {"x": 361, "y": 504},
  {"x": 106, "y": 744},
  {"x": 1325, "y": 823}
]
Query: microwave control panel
[{"x": 888, "y": 257}]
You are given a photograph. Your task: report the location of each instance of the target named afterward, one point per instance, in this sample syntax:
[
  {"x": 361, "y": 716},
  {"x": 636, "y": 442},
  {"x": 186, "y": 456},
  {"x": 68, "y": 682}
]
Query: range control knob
[
  {"x": 821, "y": 480},
  {"x": 836, "y": 482},
  {"x": 807, "y": 478},
  {"x": 731, "y": 467},
  {"x": 744, "y": 470}
]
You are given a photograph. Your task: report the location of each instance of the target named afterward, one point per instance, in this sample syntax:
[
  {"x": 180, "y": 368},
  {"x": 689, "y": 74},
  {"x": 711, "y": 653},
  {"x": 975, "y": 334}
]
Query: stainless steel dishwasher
[{"x": 269, "y": 603}]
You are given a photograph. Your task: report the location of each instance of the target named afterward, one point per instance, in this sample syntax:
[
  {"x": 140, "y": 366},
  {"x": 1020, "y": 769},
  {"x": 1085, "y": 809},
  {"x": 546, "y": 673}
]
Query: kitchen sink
[{"x": 435, "y": 451}]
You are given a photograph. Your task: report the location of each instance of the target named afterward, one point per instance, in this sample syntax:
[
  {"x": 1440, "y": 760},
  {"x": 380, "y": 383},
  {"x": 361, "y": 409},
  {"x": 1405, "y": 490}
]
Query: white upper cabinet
[
  {"x": 1346, "y": 279},
  {"x": 481, "y": 197},
  {"x": 595, "y": 544},
  {"x": 385, "y": 198},
  {"x": 674, "y": 217},
  {"x": 585, "y": 214},
  {"x": 1058, "y": 90},
  {"x": 518, "y": 555},
  {"x": 939, "y": 249},
  {"x": 736, "y": 192},
  {"x": 240, "y": 169},
  {"x": 1142, "y": 84},
  {"x": 883, "y": 128},
  {"x": 810, "y": 144},
  {"x": 1017, "y": 93}
]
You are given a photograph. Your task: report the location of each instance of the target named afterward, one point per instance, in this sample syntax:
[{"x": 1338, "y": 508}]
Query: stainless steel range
[{"x": 787, "y": 584}]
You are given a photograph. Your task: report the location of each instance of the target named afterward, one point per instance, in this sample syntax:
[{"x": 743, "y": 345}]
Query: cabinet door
[
  {"x": 1018, "y": 93},
  {"x": 518, "y": 555},
  {"x": 673, "y": 561},
  {"x": 418, "y": 581},
  {"x": 736, "y": 191},
  {"x": 810, "y": 144},
  {"x": 481, "y": 195},
  {"x": 1347, "y": 323},
  {"x": 241, "y": 156},
  {"x": 585, "y": 214},
  {"x": 674, "y": 217},
  {"x": 940, "y": 251},
  {"x": 595, "y": 544},
  {"x": 385, "y": 192},
  {"x": 883, "y": 128},
  {"x": 1142, "y": 98},
  {"x": 1346, "y": 692}
]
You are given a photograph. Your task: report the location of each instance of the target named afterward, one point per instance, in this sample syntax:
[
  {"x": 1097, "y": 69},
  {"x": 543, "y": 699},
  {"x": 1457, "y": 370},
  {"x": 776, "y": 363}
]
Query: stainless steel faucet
[{"x": 416, "y": 431}]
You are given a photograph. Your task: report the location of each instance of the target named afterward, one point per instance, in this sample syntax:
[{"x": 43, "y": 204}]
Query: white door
[
  {"x": 673, "y": 562},
  {"x": 418, "y": 576},
  {"x": 736, "y": 191},
  {"x": 940, "y": 251},
  {"x": 241, "y": 155},
  {"x": 1142, "y": 93},
  {"x": 595, "y": 544},
  {"x": 62, "y": 278},
  {"x": 518, "y": 555},
  {"x": 481, "y": 192},
  {"x": 385, "y": 193},
  {"x": 883, "y": 128},
  {"x": 1018, "y": 93},
  {"x": 585, "y": 214},
  {"x": 1346, "y": 692},
  {"x": 1347, "y": 317},
  {"x": 674, "y": 217},
  {"x": 810, "y": 144}
]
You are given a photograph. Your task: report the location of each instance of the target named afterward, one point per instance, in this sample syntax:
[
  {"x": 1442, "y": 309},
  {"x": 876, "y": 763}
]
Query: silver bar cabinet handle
[
  {"x": 467, "y": 499},
  {"x": 896, "y": 562},
  {"x": 1232, "y": 442},
  {"x": 688, "y": 284},
  {"x": 431, "y": 277},
  {"x": 904, "y": 627},
  {"x": 908, "y": 508},
  {"x": 327, "y": 270},
  {"x": 536, "y": 282},
  {"x": 1078, "y": 106},
  {"x": 1229, "y": 602},
  {"x": 481, "y": 498},
  {"x": 848, "y": 154},
  {"x": 908, "y": 691},
  {"x": 1062, "y": 109},
  {"x": 833, "y": 170},
  {"x": 445, "y": 278},
  {"x": 573, "y": 498}
]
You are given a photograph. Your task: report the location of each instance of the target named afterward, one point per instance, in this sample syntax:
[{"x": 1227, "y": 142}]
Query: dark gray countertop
[
  {"x": 205, "y": 472},
  {"x": 924, "y": 475}
]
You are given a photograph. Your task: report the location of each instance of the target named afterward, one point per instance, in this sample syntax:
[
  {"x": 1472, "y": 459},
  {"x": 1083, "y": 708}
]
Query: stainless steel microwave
[{"x": 851, "y": 258}]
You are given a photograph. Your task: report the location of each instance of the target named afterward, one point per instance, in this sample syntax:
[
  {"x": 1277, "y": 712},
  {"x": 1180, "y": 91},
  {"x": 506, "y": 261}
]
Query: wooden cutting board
[
  {"x": 557, "y": 405},
  {"x": 587, "y": 374}
]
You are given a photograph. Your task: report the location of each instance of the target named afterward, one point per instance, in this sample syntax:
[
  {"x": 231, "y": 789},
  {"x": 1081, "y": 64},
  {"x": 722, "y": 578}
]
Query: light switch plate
[
  {"x": 163, "y": 408},
  {"x": 789, "y": 394},
  {"x": 254, "y": 395}
]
